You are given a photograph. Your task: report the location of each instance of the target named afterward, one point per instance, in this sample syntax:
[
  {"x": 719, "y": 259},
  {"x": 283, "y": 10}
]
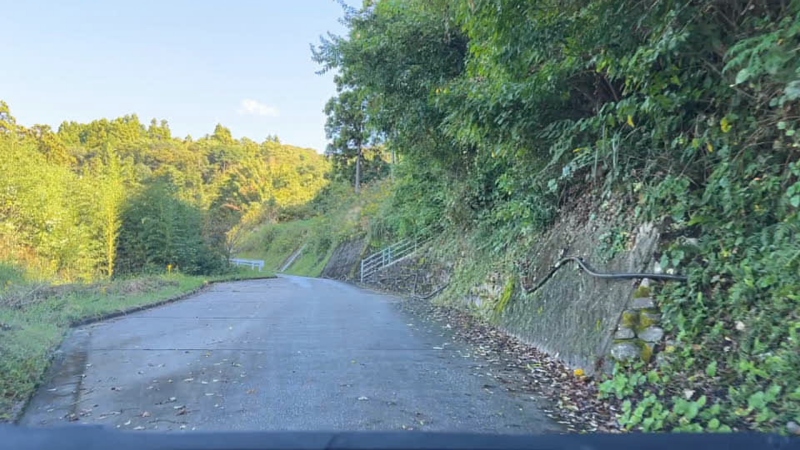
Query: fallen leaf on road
[{"x": 522, "y": 368}]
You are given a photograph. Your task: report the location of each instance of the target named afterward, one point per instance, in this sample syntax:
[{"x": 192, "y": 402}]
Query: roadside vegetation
[{"x": 501, "y": 112}]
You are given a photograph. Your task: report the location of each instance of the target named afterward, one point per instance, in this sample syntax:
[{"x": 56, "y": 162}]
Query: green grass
[
  {"x": 274, "y": 243},
  {"x": 310, "y": 263},
  {"x": 345, "y": 217},
  {"x": 34, "y": 318}
]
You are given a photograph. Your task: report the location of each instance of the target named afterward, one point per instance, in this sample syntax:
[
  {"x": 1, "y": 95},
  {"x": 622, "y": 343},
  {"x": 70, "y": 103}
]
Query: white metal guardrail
[
  {"x": 388, "y": 256},
  {"x": 251, "y": 263}
]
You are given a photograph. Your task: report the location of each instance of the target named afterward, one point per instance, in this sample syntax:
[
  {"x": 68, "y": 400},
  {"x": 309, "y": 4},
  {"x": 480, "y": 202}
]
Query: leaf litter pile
[{"x": 571, "y": 398}]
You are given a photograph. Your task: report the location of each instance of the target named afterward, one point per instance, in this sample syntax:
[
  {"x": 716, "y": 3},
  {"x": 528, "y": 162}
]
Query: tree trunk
[
  {"x": 358, "y": 171},
  {"x": 391, "y": 167}
]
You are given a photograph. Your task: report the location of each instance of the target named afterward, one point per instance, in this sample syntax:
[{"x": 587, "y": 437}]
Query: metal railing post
[{"x": 388, "y": 256}]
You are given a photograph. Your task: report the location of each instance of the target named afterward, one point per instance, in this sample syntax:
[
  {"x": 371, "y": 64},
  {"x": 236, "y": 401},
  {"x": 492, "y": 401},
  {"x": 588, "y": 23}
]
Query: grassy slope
[
  {"x": 347, "y": 216},
  {"x": 35, "y": 318},
  {"x": 275, "y": 243}
]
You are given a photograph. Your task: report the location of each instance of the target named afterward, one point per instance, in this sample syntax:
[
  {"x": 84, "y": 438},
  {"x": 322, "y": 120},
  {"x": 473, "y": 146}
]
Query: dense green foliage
[
  {"x": 500, "y": 110},
  {"x": 116, "y": 196}
]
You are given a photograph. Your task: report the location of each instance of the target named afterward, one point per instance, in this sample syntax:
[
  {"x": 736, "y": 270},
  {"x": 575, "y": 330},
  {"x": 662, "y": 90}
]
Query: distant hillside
[{"x": 87, "y": 199}]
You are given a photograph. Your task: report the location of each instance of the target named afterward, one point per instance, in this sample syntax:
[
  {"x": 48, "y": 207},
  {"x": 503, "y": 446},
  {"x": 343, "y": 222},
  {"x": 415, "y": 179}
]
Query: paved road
[{"x": 285, "y": 354}]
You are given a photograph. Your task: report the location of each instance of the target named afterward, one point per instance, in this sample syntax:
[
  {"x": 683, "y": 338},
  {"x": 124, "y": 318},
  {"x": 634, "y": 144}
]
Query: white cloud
[{"x": 256, "y": 108}]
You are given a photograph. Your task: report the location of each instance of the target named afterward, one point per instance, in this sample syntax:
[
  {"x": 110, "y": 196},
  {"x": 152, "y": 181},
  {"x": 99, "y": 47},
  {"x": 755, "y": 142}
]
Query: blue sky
[{"x": 243, "y": 63}]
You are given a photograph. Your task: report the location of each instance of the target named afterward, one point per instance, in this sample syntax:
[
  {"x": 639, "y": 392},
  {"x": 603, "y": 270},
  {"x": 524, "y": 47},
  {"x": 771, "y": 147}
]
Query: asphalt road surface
[{"x": 284, "y": 354}]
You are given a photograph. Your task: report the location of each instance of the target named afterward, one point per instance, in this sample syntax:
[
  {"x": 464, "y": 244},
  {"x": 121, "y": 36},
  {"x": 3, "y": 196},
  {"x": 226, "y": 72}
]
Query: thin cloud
[{"x": 256, "y": 108}]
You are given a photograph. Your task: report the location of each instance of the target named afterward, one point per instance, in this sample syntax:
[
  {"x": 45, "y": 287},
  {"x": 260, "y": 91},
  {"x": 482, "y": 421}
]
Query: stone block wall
[{"x": 639, "y": 330}]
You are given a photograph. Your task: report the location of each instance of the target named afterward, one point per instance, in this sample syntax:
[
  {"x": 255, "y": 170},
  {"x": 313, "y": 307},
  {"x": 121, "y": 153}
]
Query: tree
[
  {"x": 50, "y": 145},
  {"x": 159, "y": 231},
  {"x": 395, "y": 56},
  {"x": 110, "y": 199},
  {"x": 347, "y": 129},
  {"x": 7, "y": 122}
]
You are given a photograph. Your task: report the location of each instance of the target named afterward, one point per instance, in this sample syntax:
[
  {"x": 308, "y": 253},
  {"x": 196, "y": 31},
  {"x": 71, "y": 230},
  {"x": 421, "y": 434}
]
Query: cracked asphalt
[{"x": 285, "y": 354}]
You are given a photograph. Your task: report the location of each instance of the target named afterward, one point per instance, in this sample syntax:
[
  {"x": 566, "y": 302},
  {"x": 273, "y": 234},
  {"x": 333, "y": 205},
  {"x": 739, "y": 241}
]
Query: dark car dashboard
[{"x": 95, "y": 437}]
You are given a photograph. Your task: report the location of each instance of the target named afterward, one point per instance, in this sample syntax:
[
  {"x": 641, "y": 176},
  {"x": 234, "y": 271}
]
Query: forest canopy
[{"x": 119, "y": 196}]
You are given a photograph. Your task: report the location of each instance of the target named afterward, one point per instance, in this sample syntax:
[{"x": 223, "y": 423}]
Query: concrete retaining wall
[{"x": 573, "y": 316}]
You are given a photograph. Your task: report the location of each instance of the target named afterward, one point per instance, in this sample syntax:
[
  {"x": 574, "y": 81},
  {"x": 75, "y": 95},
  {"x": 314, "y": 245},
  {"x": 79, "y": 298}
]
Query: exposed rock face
[{"x": 346, "y": 260}]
